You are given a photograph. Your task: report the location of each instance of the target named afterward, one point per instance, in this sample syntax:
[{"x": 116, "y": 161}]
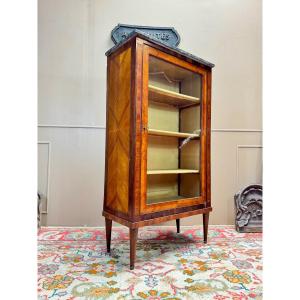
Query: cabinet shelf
[
  {"x": 175, "y": 171},
  {"x": 172, "y": 133},
  {"x": 169, "y": 97}
]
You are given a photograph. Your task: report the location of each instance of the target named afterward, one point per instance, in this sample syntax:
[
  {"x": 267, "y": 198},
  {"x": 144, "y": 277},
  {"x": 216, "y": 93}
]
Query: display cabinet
[{"x": 157, "y": 165}]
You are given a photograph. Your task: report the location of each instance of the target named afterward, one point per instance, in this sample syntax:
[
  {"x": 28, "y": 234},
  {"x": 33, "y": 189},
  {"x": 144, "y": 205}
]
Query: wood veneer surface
[{"x": 118, "y": 147}]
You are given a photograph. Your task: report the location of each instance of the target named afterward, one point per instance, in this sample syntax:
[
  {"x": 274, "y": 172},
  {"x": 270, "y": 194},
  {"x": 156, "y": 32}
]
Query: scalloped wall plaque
[{"x": 166, "y": 35}]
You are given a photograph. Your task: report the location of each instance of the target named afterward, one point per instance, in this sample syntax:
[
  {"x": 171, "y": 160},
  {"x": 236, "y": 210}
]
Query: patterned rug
[{"x": 73, "y": 264}]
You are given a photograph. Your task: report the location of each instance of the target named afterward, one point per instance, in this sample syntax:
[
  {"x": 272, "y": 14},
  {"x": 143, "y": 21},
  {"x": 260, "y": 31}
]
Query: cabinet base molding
[{"x": 155, "y": 220}]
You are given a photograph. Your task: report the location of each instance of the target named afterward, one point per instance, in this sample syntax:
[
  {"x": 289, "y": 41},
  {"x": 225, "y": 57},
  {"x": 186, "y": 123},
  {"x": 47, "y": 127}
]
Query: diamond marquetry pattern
[{"x": 118, "y": 152}]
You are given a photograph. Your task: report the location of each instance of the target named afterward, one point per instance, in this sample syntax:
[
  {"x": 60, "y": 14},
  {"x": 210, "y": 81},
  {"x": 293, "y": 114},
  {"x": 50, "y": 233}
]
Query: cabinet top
[{"x": 137, "y": 33}]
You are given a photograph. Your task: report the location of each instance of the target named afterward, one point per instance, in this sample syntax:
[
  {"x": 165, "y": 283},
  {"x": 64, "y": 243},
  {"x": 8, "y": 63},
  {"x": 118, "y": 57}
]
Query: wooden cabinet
[{"x": 157, "y": 165}]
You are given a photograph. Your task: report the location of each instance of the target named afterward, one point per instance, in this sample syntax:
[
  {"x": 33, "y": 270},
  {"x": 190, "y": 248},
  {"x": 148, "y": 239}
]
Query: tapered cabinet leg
[
  {"x": 205, "y": 227},
  {"x": 178, "y": 225},
  {"x": 108, "y": 225},
  {"x": 133, "y": 232}
]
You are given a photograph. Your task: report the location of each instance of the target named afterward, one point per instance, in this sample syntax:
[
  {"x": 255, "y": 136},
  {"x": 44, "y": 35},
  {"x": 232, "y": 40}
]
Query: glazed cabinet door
[{"x": 173, "y": 167}]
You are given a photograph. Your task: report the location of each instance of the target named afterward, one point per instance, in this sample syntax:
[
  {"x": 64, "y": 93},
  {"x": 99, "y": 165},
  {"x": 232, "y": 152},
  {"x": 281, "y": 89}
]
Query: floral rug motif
[{"x": 73, "y": 264}]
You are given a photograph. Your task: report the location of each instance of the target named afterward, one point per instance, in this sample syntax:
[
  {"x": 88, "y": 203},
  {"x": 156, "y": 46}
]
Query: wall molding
[
  {"x": 238, "y": 147},
  {"x": 236, "y": 130},
  {"x": 71, "y": 126},
  {"x": 103, "y": 127},
  {"x": 48, "y": 173}
]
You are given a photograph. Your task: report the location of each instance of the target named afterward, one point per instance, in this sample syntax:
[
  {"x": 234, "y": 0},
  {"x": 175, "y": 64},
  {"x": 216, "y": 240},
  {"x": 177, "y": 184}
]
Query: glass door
[{"x": 173, "y": 133}]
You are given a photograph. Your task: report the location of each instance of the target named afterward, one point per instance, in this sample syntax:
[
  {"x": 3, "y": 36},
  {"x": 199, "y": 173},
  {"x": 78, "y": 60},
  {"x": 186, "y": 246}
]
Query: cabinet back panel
[
  {"x": 161, "y": 187},
  {"x": 163, "y": 117},
  {"x": 162, "y": 153},
  {"x": 190, "y": 159},
  {"x": 190, "y": 155},
  {"x": 173, "y": 72},
  {"x": 118, "y": 132},
  {"x": 189, "y": 185},
  {"x": 190, "y": 119},
  {"x": 160, "y": 81},
  {"x": 191, "y": 85}
]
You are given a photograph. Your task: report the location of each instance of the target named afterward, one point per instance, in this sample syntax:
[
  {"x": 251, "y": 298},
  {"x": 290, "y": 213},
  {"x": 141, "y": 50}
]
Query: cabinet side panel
[{"x": 118, "y": 131}]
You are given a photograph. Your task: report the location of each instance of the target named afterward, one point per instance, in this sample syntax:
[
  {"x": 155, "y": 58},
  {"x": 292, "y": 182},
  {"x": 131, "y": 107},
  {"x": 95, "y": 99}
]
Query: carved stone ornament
[
  {"x": 166, "y": 35},
  {"x": 249, "y": 211}
]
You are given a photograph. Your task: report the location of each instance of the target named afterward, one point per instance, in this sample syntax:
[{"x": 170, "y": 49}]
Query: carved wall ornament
[{"x": 249, "y": 210}]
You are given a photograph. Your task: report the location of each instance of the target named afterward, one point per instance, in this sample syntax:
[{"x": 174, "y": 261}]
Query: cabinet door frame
[{"x": 149, "y": 208}]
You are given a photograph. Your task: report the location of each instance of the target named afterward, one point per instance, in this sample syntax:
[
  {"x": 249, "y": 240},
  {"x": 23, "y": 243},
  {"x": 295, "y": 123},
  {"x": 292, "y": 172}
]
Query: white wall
[{"x": 73, "y": 37}]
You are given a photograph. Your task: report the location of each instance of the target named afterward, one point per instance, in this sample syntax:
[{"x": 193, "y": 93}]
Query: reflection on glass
[{"x": 174, "y": 116}]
